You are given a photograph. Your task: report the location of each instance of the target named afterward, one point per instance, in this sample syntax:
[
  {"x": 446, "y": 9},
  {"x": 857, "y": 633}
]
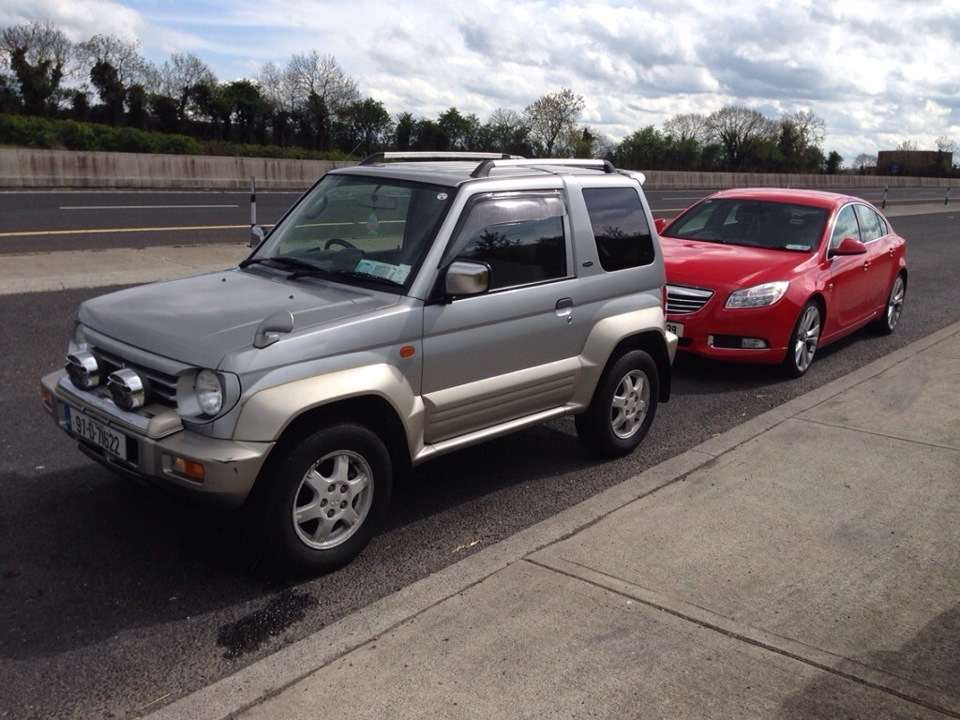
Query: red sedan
[{"x": 768, "y": 276}]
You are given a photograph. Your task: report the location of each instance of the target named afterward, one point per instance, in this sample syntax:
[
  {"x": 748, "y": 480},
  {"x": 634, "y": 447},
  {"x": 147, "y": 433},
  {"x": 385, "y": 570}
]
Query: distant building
[{"x": 920, "y": 163}]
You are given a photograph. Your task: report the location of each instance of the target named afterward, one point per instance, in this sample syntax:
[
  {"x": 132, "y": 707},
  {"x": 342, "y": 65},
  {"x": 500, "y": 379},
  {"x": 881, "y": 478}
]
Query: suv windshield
[
  {"x": 357, "y": 229},
  {"x": 755, "y": 223}
]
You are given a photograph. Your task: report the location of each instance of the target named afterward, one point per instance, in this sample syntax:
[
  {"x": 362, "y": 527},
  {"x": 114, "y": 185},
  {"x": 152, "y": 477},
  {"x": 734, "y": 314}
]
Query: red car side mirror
[
  {"x": 850, "y": 246},
  {"x": 660, "y": 224}
]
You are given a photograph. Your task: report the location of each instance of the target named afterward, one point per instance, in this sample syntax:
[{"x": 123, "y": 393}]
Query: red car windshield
[{"x": 754, "y": 223}]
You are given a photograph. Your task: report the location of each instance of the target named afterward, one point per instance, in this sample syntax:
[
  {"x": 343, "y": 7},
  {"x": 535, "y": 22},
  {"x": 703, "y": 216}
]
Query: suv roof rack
[
  {"x": 435, "y": 155},
  {"x": 484, "y": 168}
]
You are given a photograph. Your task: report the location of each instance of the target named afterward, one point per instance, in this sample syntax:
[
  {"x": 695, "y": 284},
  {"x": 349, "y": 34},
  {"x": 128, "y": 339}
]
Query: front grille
[
  {"x": 163, "y": 387},
  {"x": 683, "y": 300}
]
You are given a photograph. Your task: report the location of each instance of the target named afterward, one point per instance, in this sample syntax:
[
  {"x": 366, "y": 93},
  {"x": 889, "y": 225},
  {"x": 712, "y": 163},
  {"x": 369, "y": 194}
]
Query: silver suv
[{"x": 399, "y": 311}]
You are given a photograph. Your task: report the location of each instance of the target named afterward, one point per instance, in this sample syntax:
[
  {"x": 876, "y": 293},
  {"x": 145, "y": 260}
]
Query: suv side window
[
  {"x": 521, "y": 238},
  {"x": 620, "y": 227}
]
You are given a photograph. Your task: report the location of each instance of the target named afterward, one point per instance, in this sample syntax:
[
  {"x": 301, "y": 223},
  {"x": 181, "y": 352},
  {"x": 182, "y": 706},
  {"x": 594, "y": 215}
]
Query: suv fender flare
[
  {"x": 269, "y": 412},
  {"x": 642, "y": 329}
]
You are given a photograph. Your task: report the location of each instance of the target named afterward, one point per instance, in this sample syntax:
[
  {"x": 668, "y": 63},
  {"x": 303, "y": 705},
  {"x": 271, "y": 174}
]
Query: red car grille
[{"x": 683, "y": 300}]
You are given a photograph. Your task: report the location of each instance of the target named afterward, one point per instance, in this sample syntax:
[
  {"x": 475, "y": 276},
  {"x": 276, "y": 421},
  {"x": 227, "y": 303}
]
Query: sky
[{"x": 878, "y": 72}]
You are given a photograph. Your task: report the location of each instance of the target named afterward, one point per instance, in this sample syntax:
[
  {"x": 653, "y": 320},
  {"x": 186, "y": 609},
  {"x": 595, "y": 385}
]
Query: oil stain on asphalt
[{"x": 250, "y": 632}]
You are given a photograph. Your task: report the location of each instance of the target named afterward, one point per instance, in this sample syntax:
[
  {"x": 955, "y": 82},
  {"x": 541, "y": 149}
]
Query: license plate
[
  {"x": 675, "y": 328},
  {"x": 96, "y": 432}
]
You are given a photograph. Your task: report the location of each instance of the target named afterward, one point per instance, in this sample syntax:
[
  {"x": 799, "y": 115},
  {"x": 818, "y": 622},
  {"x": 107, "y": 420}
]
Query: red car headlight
[{"x": 758, "y": 296}]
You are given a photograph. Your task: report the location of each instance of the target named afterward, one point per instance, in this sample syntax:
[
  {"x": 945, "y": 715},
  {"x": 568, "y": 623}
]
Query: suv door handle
[{"x": 564, "y": 303}]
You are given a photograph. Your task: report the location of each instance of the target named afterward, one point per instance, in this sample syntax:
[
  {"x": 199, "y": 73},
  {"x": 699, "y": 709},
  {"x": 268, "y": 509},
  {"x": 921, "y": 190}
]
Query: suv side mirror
[
  {"x": 465, "y": 277},
  {"x": 850, "y": 246}
]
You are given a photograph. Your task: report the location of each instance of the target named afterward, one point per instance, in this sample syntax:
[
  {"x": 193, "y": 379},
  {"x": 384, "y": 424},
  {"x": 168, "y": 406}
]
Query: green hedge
[{"x": 40, "y": 133}]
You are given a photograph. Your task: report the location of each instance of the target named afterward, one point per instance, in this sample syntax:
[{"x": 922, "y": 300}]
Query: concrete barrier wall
[{"x": 23, "y": 169}]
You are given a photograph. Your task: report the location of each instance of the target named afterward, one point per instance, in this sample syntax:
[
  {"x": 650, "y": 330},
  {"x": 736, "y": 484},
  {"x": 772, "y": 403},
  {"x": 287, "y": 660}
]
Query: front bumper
[
  {"x": 156, "y": 451},
  {"x": 724, "y": 334}
]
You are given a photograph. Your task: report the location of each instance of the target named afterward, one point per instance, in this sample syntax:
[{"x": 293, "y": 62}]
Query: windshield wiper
[
  {"x": 289, "y": 262},
  {"x": 298, "y": 268},
  {"x": 367, "y": 276},
  {"x": 302, "y": 268}
]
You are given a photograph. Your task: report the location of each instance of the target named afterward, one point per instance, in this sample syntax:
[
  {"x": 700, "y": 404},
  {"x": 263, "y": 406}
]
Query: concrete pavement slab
[
  {"x": 539, "y": 644},
  {"x": 834, "y": 545},
  {"x": 918, "y": 401}
]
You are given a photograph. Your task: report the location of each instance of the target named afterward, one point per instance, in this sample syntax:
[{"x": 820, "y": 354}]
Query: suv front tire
[{"x": 326, "y": 499}]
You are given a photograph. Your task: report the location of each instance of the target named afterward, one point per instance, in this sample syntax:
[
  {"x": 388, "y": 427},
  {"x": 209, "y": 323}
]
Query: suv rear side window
[{"x": 620, "y": 227}]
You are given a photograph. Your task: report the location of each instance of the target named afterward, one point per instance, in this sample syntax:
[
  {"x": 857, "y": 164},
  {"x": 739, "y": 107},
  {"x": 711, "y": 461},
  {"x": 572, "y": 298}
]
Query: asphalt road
[
  {"x": 44, "y": 221},
  {"x": 115, "y": 599}
]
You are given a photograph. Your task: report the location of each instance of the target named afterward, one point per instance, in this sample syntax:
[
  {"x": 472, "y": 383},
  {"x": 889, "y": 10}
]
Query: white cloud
[{"x": 877, "y": 72}]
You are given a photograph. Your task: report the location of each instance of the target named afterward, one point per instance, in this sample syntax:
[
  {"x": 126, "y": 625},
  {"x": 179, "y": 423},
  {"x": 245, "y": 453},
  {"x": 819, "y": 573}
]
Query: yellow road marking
[{"x": 107, "y": 231}]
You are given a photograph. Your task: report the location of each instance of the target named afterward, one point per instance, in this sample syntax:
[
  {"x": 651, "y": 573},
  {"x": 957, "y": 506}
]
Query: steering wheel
[{"x": 332, "y": 242}]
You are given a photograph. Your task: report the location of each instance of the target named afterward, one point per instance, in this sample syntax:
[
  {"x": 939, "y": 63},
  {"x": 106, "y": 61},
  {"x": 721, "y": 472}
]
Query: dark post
[
  {"x": 254, "y": 238},
  {"x": 253, "y": 201}
]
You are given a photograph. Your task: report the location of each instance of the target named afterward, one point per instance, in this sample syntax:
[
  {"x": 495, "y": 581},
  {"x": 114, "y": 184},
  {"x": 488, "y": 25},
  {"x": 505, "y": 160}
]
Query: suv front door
[{"x": 512, "y": 351}]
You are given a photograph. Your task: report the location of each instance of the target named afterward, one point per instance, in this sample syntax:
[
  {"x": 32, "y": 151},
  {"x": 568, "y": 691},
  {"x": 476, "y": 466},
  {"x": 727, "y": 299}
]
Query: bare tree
[
  {"x": 179, "y": 78},
  {"x": 552, "y": 117},
  {"x": 505, "y": 117},
  {"x": 741, "y": 132},
  {"x": 41, "y": 42},
  {"x": 506, "y": 131},
  {"x": 800, "y": 135},
  {"x": 946, "y": 145},
  {"x": 122, "y": 55},
  {"x": 691, "y": 126},
  {"x": 810, "y": 129},
  {"x": 863, "y": 161},
  {"x": 36, "y": 56},
  {"x": 321, "y": 76},
  {"x": 278, "y": 86},
  {"x": 908, "y": 146}
]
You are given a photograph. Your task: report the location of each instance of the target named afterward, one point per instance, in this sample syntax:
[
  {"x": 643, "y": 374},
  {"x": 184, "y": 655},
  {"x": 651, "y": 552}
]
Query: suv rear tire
[
  {"x": 623, "y": 406},
  {"x": 326, "y": 499}
]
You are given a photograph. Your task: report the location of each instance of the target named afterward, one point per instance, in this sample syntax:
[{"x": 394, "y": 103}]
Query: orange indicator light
[{"x": 189, "y": 469}]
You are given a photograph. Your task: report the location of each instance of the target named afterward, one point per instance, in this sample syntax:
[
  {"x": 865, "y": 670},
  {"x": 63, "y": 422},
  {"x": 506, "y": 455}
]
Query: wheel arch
[
  {"x": 820, "y": 299},
  {"x": 651, "y": 342},
  {"x": 370, "y": 411}
]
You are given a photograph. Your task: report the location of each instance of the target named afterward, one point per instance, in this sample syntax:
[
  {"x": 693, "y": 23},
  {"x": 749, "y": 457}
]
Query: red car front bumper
[{"x": 753, "y": 335}]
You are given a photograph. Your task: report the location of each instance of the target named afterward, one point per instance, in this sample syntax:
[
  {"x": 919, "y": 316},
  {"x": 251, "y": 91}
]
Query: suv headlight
[
  {"x": 204, "y": 395},
  {"x": 209, "y": 392},
  {"x": 758, "y": 296},
  {"x": 78, "y": 341}
]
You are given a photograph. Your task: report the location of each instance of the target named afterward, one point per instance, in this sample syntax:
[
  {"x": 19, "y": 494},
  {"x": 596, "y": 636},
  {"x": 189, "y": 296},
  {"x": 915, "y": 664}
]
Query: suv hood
[{"x": 198, "y": 320}]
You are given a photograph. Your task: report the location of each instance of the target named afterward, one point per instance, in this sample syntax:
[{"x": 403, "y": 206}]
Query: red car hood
[{"x": 713, "y": 265}]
